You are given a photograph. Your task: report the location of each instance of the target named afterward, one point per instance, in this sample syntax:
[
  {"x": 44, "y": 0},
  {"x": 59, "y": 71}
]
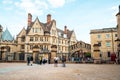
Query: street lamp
[
  {"x": 27, "y": 49},
  {"x": 100, "y": 51},
  {"x": 69, "y": 50}
]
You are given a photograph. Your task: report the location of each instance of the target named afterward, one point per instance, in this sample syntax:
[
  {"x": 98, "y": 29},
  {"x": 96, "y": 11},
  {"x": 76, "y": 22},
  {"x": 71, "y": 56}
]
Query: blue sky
[{"x": 78, "y": 15}]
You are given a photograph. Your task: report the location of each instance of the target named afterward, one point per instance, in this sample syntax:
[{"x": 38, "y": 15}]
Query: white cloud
[
  {"x": 69, "y": 1},
  {"x": 36, "y": 7},
  {"x": 114, "y": 8},
  {"x": 7, "y": 2},
  {"x": 57, "y": 3}
]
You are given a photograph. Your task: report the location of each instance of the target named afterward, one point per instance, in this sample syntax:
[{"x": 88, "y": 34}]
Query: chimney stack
[
  {"x": 29, "y": 19},
  {"x": 48, "y": 18},
  {"x": 65, "y": 29}
]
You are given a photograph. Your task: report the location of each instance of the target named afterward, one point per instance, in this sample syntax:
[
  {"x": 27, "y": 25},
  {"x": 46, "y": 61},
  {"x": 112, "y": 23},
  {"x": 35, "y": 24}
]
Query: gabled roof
[
  {"x": 6, "y": 35},
  {"x": 46, "y": 27},
  {"x": 21, "y": 31},
  {"x": 69, "y": 33}
]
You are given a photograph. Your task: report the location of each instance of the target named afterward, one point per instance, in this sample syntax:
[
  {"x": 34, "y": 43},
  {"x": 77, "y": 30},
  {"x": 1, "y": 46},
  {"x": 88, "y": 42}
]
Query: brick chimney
[
  {"x": 29, "y": 19},
  {"x": 65, "y": 29},
  {"x": 48, "y": 18}
]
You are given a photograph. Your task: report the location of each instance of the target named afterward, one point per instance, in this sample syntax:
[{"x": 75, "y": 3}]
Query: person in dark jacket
[
  {"x": 63, "y": 61},
  {"x": 31, "y": 60},
  {"x": 28, "y": 60}
]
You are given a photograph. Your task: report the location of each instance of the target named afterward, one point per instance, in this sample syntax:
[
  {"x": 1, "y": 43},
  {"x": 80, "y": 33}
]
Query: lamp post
[
  {"x": 119, "y": 53},
  {"x": 6, "y": 55},
  {"x": 27, "y": 49},
  {"x": 69, "y": 50},
  {"x": 100, "y": 51}
]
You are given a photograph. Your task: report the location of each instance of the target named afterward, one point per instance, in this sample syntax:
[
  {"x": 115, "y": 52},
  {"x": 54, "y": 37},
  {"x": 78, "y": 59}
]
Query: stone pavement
[{"x": 20, "y": 71}]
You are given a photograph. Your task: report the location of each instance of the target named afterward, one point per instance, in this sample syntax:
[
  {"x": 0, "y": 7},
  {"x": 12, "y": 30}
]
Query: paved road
[{"x": 20, "y": 71}]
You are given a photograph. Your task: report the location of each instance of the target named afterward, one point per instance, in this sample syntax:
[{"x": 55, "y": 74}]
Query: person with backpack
[
  {"x": 28, "y": 60},
  {"x": 63, "y": 61},
  {"x": 31, "y": 60}
]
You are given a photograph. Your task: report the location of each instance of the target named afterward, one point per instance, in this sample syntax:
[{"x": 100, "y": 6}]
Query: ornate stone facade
[{"x": 42, "y": 35}]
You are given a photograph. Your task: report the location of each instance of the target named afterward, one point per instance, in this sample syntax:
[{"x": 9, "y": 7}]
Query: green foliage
[{"x": 88, "y": 54}]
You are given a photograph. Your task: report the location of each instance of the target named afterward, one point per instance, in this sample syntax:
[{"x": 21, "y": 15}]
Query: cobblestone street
[{"x": 20, "y": 71}]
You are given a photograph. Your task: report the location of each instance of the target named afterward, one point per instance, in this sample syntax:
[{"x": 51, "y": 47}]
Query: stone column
[
  {"x": 53, "y": 52},
  {"x": 35, "y": 51},
  {"x": 96, "y": 53}
]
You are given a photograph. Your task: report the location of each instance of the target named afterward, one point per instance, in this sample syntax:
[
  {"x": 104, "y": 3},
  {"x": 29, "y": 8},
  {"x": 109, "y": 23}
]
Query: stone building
[
  {"x": 106, "y": 39},
  {"x": 7, "y": 45},
  {"x": 40, "y": 40},
  {"x": 118, "y": 32},
  {"x": 44, "y": 36}
]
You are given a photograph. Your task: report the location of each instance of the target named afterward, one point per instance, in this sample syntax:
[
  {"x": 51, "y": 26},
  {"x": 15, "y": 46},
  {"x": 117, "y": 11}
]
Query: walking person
[
  {"x": 43, "y": 60},
  {"x": 31, "y": 60},
  {"x": 28, "y": 60},
  {"x": 40, "y": 58},
  {"x": 55, "y": 61},
  {"x": 63, "y": 61},
  {"x": 48, "y": 60},
  {"x": 116, "y": 60}
]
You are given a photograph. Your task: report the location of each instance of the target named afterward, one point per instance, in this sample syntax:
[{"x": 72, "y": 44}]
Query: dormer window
[
  {"x": 65, "y": 35},
  {"x": 36, "y": 30},
  {"x": 53, "y": 32},
  {"x": 23, "y": 39},
  {"x": 62, "y": 35},
  {"x": 59, "y": 34}
]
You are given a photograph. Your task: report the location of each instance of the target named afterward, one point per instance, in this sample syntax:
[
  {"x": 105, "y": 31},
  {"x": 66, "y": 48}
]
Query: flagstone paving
[{"x": 20, "y": 71}]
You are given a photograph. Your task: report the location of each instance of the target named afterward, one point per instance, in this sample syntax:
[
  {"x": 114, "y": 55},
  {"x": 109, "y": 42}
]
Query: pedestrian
[
  {"x": 48, "y": 60},
  {"x": 28, "y": 60},
  {"x": 43, "y": 60},
  {"x": 40, "y": 58},
  {"x": 116, "y": 60},
  {"x": 31, "y": 60},
  {"x": 55, "y": 61},
  {"x": 63, "y": 61}
]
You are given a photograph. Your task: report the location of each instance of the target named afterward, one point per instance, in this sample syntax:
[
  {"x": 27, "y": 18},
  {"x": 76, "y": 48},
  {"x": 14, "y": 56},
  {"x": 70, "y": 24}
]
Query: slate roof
[
  {"x": 6, "y": 35},
  {"x": 47, "y": 27},
  {"x": 104, "y": 30},
  {"x": 69, "y": 33}
]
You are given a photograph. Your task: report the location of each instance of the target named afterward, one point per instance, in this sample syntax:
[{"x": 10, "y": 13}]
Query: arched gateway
[{"x": 49, "y": 55}]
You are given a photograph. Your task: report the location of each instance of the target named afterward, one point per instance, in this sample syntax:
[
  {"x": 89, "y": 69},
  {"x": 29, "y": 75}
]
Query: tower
[
  {"x": 118, "y": 32},
  {"x": 118, "y": 22}
]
